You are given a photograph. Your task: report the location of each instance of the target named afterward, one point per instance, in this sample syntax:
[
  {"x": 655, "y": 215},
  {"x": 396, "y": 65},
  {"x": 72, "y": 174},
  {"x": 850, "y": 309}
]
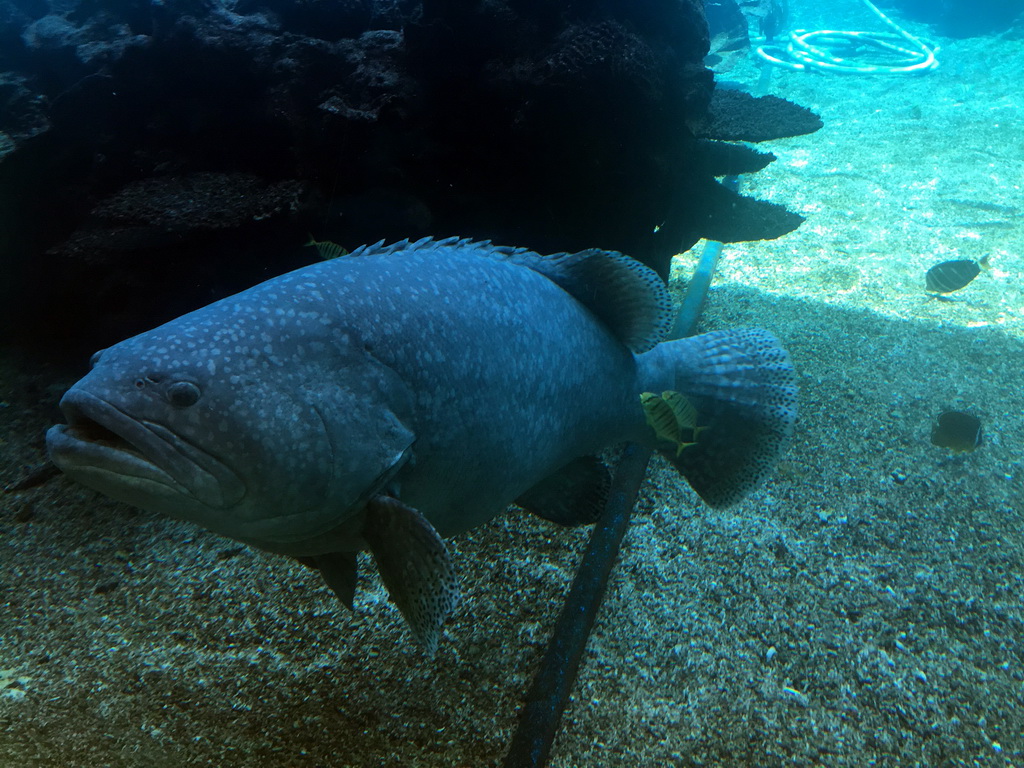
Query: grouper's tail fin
[{"x": 739, "y": 407}]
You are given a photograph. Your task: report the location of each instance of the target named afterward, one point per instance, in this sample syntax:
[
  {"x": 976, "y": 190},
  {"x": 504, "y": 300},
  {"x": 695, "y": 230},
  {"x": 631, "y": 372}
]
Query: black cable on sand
[
  {"x": 549, "y": 693},
  {"x": 547, "y": 697}
]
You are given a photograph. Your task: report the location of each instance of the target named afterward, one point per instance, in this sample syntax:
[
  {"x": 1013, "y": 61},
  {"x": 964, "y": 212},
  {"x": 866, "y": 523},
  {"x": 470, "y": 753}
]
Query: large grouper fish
[{"x": 404, "y": 393}]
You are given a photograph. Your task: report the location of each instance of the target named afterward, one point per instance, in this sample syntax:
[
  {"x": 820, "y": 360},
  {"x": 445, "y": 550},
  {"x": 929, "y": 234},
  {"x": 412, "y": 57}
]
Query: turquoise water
[{"x": 864, "y": 607}]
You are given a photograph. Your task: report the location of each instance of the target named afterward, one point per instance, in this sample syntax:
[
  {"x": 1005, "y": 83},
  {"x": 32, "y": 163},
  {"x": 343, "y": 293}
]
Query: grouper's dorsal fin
[
  {"x": 423, "y": 244},
  {"x": 625, "y": 295},
  {"x": 414, "y": 565}
]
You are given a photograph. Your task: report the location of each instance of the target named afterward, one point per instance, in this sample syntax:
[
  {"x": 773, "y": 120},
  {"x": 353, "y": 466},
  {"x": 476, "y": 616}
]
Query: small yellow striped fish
[
  {"x": 672, "y": 417},
  {"x": 328, "y": 250}
]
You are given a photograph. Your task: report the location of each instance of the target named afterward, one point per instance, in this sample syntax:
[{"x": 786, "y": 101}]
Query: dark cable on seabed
[
  {"x": 546, "y": 700},
  {"x": 549, "y": 694}
]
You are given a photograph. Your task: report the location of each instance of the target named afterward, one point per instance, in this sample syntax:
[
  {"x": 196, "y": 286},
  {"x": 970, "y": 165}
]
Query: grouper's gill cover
[{"x": 390, "y": 398}]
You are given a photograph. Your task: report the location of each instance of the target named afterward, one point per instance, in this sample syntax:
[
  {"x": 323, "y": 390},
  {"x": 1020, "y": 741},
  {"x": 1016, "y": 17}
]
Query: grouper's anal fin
[
  {"x": 415, "y": 566},
  {"x": 339, "y": 573},
  {"x": 573, "y": 495}
]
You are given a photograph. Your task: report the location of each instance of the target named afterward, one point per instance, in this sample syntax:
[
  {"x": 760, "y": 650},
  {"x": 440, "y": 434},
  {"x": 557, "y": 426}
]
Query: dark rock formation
[
  {"x": 737, "y": 116},
  {"x": 553, "y": 124}
]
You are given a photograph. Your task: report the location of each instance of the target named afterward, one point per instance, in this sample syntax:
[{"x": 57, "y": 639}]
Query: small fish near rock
[
  {"x": 326, "y": 249},
  {"x": 951, "y": 276},
  {"x": 390, "y": 398}
]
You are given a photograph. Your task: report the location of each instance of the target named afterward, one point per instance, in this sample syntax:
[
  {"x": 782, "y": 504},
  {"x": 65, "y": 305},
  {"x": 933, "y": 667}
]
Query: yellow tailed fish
[
  {"x": 672, "y": 417},
  {"x": 327, "y": 249}
]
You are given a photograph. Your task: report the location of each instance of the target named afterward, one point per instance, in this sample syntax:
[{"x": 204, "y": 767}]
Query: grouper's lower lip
[
  {"x": 106, "y": 448},
  {"x": 76, "y": 450}
]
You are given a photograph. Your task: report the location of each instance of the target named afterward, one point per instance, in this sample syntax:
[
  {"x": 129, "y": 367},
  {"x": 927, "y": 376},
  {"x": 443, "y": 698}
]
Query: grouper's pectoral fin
[
  {"x": 339, "y": 573},
  {"x": 414, "y": 565}
]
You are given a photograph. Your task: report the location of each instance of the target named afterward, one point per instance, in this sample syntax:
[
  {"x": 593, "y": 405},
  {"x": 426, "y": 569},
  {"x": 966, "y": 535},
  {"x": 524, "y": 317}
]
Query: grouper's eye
[
  {"x": 183, "y": 394},
  {"x": 95, "y": 358}
]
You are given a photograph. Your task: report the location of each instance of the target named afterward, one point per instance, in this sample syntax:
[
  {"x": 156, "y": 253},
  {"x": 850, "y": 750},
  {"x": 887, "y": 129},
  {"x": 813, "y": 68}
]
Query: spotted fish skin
[{"x": 448, "y": 376}]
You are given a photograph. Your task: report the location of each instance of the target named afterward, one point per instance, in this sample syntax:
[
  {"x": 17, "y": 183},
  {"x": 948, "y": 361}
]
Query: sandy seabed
[{"x": 865, "y": 607}]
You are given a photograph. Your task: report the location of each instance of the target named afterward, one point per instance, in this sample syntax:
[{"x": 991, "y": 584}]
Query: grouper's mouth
[{"x": 137, "y": 461}]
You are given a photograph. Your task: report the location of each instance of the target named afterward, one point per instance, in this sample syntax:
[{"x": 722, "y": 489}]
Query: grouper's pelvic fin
[
  {"x": 414, "y": 565},
  {"x": 743, "y": 389}
]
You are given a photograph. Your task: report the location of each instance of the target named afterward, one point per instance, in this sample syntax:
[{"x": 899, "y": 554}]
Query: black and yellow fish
[{"x": 953, "y": 275}]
